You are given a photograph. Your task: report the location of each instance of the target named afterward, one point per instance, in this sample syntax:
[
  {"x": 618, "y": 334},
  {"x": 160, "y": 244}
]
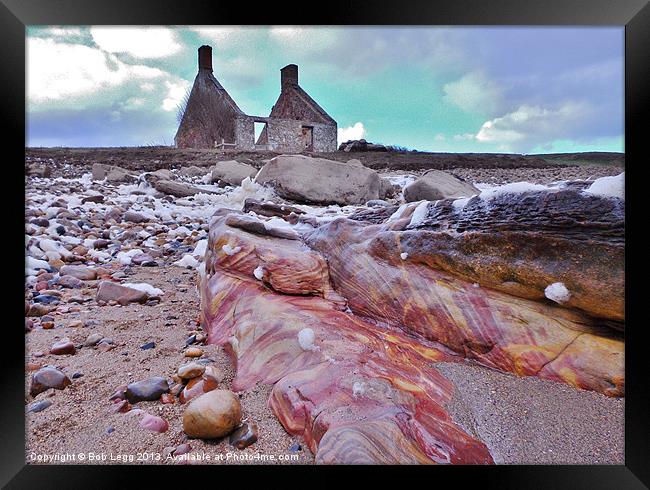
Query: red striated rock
[
  {"x": 359, "y": 384},
  {"x": 497, "y": 329}
]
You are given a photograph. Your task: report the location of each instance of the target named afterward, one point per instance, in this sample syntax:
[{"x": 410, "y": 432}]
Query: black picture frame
[{"x": 15, "y": 15}]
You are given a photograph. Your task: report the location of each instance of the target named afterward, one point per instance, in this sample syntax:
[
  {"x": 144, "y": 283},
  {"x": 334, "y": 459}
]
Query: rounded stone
[
  {"x": 212, "y": 415},
  {"x": 48, "y": 377},
  {"x": 147, "y": 389},
  {"x": 190, "y": 370},
  {"x": 65, "y": 347},
  {"x": 193, "y": 352}
]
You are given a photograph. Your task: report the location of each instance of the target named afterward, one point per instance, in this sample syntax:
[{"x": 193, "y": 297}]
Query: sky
[{"x": 448, "y": 89}]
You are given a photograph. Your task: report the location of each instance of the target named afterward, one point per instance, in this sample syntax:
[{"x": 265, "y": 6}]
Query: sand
[{"x": 80, "y": 416}]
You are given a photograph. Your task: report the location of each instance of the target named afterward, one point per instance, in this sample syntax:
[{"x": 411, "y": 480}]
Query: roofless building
[{"x": 212, "y": 118}]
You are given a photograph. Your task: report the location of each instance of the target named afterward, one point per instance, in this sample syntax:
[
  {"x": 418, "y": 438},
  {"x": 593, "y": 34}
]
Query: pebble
[
  {"x": 167, "y": 399},
  {"x": 69, "y": 281},
  {"x": 196, "y": 387},
  {"x": 105, "y": 346},
  {"x": 118, "y": 394},
  {"x": 190, "y": 370},
  {"x": 38, "y": 406},
  {"x": 93, "y": 339},
  {"x": 48, "y": 377},
  {"x": 182, "y": 449},
  {"x": 64, "y": 347},
  {"x": 244, "y": 436},
  {"x": 193, "y": 352},
  {"x": 148, "y": 345},
  {"x": 212, "y": 415},
  {"x": 109, "y": 291},
  {"x": 154, "y": 423},
  {"x": 121, "y": 406},
  {"x": 134, "y": 217},
  {"x": 147, "y": 389},
  {"x": 79, "y": 271}
]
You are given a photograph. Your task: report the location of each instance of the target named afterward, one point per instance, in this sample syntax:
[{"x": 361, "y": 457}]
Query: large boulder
[
  {"x": 111, "y": 173},
  {"x": 193, "y": 171},
  {"x": 178, "y": 189},
  {"x": 435, "y": 185},
  {"x": 317, "y": 180},
  {"x": 231, "y": 172}
]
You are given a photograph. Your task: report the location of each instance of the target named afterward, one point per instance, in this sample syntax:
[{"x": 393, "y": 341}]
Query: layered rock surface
[{"x": 346, "y": 320}]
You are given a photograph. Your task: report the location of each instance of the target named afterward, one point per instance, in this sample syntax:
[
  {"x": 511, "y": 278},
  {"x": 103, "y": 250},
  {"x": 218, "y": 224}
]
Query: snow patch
[
  {"x": 201, "y": 247},
  {"x": 557, "y": 292},
  {"x": 232, "y": 251},
  {"x": 420, "y": 214},
  {"x": 187, "y": 261},
  {"x": 259, "y": 272},
  {"x": 613, "y": 186},
  {"x": 306, "y": 338},
  {"x": 143, "y": 286},
  {"x": 404, "y": 255},
  {"x": 512, "y": 188}
]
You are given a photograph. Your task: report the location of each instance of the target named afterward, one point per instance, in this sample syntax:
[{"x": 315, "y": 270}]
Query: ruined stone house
[{"x": 212, "y": 118}]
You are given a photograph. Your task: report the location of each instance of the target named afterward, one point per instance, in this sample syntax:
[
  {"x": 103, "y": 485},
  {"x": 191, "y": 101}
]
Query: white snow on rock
[
  {"x": 306, "y": 338},
  {"x": 232, "y": 251},
  {"x": 404, "y": 255},
  {"x": 460, "y": 203},
  {"x": 401, "y": 180},
  {"x": 613, "y": 186},
  {"x": 512, "y": 188},
  {"x": 187, "y": 261},
  {"x": 201, "y": 247},
  {"x": 557, "y": 292},
  {"x": 125, "y": 257},
  {"x": 32, "y": 265},
  {"x": 420, "y": 214},
  {"x": 143, "y": 286},
  {"x": 259, "y": 272}
]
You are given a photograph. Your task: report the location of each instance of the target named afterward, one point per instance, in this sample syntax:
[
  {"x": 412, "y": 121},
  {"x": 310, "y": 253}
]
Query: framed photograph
[{"x": 387, "y": 235}]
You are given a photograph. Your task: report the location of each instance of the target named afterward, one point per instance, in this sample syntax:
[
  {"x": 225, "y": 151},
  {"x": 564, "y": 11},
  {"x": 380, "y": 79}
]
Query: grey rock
[{"x": 147, "y": 389}]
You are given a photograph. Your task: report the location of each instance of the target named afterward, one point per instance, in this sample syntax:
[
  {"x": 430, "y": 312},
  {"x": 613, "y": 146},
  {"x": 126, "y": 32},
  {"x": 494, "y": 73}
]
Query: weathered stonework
[{"x": 213, "y": 119}]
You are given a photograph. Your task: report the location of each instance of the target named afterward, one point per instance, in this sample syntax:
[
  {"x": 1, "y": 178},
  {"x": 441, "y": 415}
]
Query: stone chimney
[
  {"x": 205, "y": 58},
  {"x": 289, "y": 75}
]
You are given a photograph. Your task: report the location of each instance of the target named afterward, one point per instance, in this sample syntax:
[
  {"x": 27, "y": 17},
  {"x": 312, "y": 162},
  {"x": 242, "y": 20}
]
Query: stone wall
[
  {"x": 245, "y": 133},
  {"x": 286, "y": 135}
]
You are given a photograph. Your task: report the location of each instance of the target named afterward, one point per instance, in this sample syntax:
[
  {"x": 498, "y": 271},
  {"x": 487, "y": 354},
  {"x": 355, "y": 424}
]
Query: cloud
[
  {"x": 354, "y": 132},
  {"x": 464, "y": 137},
  {"x": 531, "y": 126},
  {"x": 57, "y": 71},
  {"x": 175, "y": 93},
  {"x": 306, "y": 39},
  {"x": 439, "y": 137},
  {"x": 474, "y": 92},
  {"x": 139, "y": 42}
]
